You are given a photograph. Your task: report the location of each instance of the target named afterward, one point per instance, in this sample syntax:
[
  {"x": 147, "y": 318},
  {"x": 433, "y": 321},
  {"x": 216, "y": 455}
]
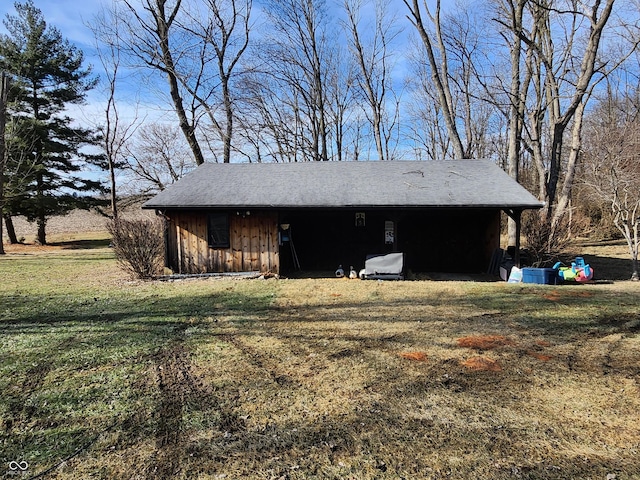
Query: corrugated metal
[{"x": 459, "y": 183}]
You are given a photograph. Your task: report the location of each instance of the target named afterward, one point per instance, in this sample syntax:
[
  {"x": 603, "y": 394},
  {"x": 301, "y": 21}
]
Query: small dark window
[{"x": 218, "y": 230}]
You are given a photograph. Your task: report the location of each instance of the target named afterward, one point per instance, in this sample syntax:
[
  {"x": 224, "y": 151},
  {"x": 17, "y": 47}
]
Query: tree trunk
[
  {"x": 516, "y": 109},
  {"x": 41, "y": 218},
  {"x": 228, "y": 108},
  {"x": 3, "y": 120},
  {"x": 11, "y": 231},
  {"x": 226, "y": 65},
  {"x": 633, "y": 243},
  {"x": 374, "y": 88},
  {"x": 564, "y": 198},
  {"x": 42, "y": 230},
  {"x": 113, "y": 193},
  {"x": 439, "y": 74},
  {"x": 163, "y": 25}
]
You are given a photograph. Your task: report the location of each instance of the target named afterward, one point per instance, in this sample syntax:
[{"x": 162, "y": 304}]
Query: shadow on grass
[
  {"x": 605, "y": 268},
  {"x": 82, "y": 244},
  {"x": 159, "y": 399},
  {"x": 562, "y": 309},
  {"x": 608, "y": 268},
  {"x": 432, "y": 276}
]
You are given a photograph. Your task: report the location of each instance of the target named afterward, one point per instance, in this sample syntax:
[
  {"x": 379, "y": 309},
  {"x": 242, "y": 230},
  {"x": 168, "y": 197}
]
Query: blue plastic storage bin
[{"x": 542, "y": 276}]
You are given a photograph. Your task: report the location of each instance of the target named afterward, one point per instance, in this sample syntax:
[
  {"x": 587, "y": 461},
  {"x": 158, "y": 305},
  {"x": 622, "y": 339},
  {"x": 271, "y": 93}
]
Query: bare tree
[
  {"x": 19, "y": 169},
  {"x": 587, "y": 80},
  {"x": 226, "y": 29},
  {"x": 155, "y": 158},
  {"x": 197, "y": 46},
  {"x": 270, "y": 127},
  {"x": 556, "y": 58},
  {"x": 341, "y": 97},
  {"x": 299, "y": 59},
  {"x": 510, "y": 14},
  {"x": 427, "y": 129},
  {"x": 612, "y": 165},
  {"x": 462, "y": 40},
  {"x": 372, "y": 54},
  {"x": 115, "y": 134},
  {"x": 561, "y": 70},
  {"x": 147, "y": 35},
  {"x": 434, "y": 46},
  {"x": 451, "y": 84}
]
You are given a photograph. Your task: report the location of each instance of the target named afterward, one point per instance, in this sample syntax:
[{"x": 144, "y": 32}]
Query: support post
[
  {"x": 518, "y": 220},
  {"x": 516, "y": 216}
]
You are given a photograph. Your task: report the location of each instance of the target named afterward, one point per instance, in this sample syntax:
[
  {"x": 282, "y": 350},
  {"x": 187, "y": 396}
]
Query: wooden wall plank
[
  {"x": 245, "y": 262},
  {"x": 274, "y": 246},
  {"x": 253, "y": 244},
  {"x": 202, "y": 248},
  {"x": 172, "y": 245},
  {"x": 184, "y": 248},
  {"x": 236, "y": 243},
  {"x": 263, "y": 237}
]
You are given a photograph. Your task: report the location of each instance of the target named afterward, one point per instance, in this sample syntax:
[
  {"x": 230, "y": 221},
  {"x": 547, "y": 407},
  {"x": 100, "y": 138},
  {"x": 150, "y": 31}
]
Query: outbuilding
[{"x": 444, "y": 216}]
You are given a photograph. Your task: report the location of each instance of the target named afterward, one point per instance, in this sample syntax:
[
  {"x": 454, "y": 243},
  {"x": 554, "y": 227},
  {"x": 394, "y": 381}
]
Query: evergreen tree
[{"x": 44, "y": 148}]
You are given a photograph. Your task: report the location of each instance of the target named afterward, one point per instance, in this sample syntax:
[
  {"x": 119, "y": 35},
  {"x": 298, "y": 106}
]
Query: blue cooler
[{"x": 542, "y": 276}]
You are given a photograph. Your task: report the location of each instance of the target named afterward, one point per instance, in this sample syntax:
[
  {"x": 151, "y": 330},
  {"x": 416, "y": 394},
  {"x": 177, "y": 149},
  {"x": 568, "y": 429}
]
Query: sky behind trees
[
  {"x": 301, "y": 80},
  {"x": 72, "y": 19},
  {"x": 410, "y": 101}
]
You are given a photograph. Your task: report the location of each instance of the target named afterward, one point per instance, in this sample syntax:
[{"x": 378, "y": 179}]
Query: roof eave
[{"x": 363, "y": 206}]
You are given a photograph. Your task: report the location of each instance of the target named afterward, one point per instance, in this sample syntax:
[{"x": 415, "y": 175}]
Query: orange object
[{"x": 416, "y": 356}]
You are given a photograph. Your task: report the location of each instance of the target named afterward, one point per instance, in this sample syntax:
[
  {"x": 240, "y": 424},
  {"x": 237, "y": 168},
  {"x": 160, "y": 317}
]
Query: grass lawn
[{"x": 103, "y": 377}]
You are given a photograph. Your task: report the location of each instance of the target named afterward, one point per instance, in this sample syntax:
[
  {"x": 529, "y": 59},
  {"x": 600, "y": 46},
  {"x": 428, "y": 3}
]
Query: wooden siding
[{"x": 253, "y": 244}]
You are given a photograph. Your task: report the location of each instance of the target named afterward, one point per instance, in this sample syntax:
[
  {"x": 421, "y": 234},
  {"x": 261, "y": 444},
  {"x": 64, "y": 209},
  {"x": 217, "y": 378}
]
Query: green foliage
[{"x": 44, "y": 149}]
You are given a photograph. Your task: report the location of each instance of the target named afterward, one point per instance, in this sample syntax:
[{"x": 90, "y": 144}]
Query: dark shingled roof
[{"x": 456, "y": 183}]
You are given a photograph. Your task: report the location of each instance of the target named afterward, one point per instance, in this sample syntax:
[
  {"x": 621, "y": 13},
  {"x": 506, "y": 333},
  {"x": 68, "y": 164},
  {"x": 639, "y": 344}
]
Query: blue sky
[
  {"x": 69, "y": 16},
  {"x": 72, "y": 16}
]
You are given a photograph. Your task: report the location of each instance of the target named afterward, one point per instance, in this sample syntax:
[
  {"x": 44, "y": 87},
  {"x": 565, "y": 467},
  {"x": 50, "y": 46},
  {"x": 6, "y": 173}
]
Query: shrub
[
  {"x": 138, "y": 246},
  {"x": 545, "y": 245}
]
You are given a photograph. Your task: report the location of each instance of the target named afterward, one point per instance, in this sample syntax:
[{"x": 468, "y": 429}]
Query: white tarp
[{"x": 388, "y": 266}]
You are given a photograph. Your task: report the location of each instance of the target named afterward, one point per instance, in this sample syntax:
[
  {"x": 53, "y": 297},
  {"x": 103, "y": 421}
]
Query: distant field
[
  {"x": 104, "y": 377},
  {"x": 76, "y": 222}
]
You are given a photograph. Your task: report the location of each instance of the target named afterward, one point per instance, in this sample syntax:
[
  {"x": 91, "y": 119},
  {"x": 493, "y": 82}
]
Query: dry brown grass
[
  {"x": 366, "y": 380},
  {"x": 484, "y": 342}
]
